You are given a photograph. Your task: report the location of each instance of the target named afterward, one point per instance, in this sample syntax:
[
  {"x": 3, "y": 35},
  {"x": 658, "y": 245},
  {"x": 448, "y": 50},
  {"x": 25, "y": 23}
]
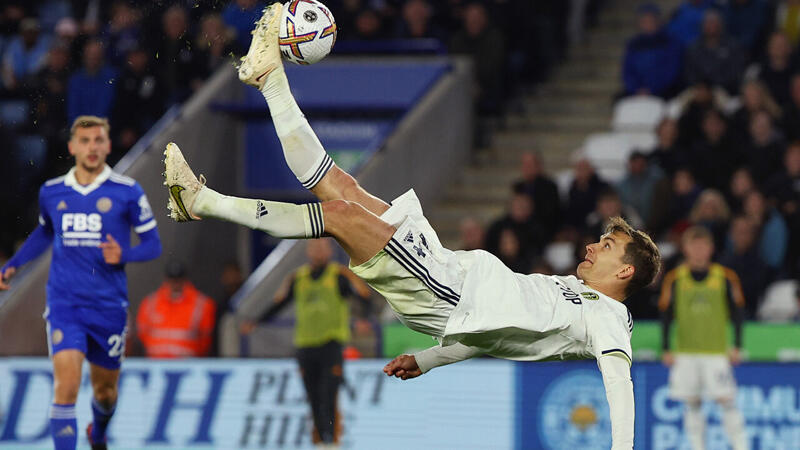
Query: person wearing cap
[
  {"x": 177, "y": 320},
  {"x": 653, "y": 59}
]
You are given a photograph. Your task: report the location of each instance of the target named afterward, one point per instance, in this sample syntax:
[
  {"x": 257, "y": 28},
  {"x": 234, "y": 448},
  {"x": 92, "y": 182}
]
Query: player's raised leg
[
  {"x": 66, "y": 383},
  {"x": 104, "y": 401},
  {"x": 361, "y": 233},
  {"x": 262, "y": 68}
]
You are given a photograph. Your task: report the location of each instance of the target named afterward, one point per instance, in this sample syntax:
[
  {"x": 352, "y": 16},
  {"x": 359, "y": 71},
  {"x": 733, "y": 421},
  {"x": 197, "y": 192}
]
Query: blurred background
[{"x": 523, "y": 125}]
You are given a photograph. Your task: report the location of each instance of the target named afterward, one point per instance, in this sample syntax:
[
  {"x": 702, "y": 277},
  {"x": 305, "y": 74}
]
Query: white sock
[
  {"x": 695, "y": 425},
  {"x": 282, "y": 220},
  {"x": 304, "y": 154},
  {"x": 733, "y": 422}
]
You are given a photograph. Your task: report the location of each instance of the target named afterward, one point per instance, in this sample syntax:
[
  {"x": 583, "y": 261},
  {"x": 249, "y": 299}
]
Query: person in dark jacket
[{"x": 653, "y": 59}]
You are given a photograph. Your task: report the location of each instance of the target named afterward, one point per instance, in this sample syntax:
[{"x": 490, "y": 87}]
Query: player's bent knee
[{"x": 66, "y": 391}]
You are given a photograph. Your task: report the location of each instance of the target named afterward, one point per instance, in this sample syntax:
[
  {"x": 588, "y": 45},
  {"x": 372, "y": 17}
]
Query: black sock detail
[{"x": 323, "y": 168}]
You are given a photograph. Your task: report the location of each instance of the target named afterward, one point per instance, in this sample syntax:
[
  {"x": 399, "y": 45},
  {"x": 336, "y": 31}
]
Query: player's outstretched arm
[
  {"x": 619, "y": 392},
  {"x": 35, "y": 245},
  {"x": 412, "y": 366}
]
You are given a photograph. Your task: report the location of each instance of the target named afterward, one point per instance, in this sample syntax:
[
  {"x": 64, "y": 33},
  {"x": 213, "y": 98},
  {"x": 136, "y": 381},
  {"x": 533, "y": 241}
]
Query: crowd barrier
[{"x": 480, "y": 404}]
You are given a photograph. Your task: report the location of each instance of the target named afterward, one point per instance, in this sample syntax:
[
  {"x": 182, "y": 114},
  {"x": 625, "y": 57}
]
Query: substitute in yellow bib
[
  {"x": 320, "y": 290},
  {"x": 701, "y": 297}
]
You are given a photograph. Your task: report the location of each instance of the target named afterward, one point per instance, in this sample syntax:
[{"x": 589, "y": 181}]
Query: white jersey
[{"x": 535, "y": 317}]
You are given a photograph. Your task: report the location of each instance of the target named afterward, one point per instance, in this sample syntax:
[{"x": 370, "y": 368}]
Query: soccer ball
[{"x": 307, "y": 32}]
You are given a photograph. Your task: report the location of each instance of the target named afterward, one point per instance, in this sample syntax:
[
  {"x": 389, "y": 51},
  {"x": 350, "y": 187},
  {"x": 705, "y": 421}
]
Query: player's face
[
  {"x": 319, "y": 252},
  {"x": 698, "y": 252},
  {"x": 90, "y": 146},
  {"x": 603, "y": 259}
]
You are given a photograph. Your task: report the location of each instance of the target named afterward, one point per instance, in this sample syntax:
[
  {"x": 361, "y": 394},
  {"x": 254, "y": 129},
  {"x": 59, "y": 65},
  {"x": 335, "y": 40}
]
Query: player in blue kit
[{"x": 87, "y": 216}]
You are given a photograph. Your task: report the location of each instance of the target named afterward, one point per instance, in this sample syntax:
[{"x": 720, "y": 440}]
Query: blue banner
[{"x": 563, "y": 406}]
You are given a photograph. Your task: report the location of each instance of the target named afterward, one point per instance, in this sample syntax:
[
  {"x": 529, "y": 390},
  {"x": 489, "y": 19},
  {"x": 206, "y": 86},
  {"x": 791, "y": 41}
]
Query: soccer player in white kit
[{"x": 469, "y": 301}]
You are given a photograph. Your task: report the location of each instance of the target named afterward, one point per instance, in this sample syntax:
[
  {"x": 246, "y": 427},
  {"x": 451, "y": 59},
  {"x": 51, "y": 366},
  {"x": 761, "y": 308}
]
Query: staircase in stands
[{"x": 576, "y": 101}]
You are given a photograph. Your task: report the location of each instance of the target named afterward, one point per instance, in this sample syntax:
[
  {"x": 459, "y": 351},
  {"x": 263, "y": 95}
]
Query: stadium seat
[
  {"x": 640, "y": 113},
  {"x": 609, "y": 152},
  {"x": 780, "y": 302},
  {"x": 563, "y": 181},
  {"x": 14, "y": 113},
  {"x": 31, "y": 151},
  {"x": 560, "y": 256}
]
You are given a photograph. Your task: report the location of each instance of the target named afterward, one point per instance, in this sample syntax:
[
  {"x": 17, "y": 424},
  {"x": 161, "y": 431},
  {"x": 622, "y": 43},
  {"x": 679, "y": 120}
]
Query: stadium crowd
[
  {"x": 132, "y": 60},
  {"x": 727, "y": 157}
]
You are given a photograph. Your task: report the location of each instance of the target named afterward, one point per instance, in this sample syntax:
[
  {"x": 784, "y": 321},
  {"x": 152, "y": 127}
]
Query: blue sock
[
  {"x": 64, "y": 426},
  {"x": 101, "y": 418}
]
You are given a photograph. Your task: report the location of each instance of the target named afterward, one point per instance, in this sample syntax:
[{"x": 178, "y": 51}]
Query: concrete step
[
  {"x": 532, "y": 140},
  {"x": 573, "y": 123},
  {"x": 578, "y": 71},
  {"x": 449, "y": 214},
  {"x": 585, "y": 87},
  {"x": 564, "y": 105}
]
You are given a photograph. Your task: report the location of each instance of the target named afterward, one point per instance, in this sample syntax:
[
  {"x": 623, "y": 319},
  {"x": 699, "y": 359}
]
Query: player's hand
[
  {"x": 403, "y": 367},
  {"x": 247, "y": 327},
  {"x": 668, "y": 359},
  {"x": 735, "y": 356},
  {"x": 112, "y": 252},
  {"x": 7, "y": 274}
]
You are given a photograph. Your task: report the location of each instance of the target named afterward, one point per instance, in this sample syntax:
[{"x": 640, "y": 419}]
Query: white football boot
[
  {"x": 264, "y": 54},
  {"x": 183, "y": 185}
]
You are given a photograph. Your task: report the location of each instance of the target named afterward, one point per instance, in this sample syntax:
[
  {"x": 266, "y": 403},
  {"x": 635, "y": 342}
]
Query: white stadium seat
[
  {"x": 639, "y": 113},
  {"x": 609, "y": 152},
  {"x": 780, "y": 302},
  {"x": 560, "y": 256}
]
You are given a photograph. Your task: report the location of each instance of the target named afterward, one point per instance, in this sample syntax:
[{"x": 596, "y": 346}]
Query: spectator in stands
[
  {"x": 50, "y": 110},
  {"x": 773, "y": 232},
  {"x": 755, "y": 97},
  {"x": 471, "y": 234},
  {"x": 637, "y": 188},
  {"x": 653, "y": 60},
  {"x": 717, "y": 153},
  {"x": 741, "y": 184},
  {"x": 609, "y": 205},
  {"x": 776, "y": 70},
  {"x": 369, "y": 25},
  {"x": 322, "y": 326},
  {"x": 542, "y": 190},
  {"x": 685, "y": 192},
  {"x": 67, "y": 34},
  {"x": 791, "y": 116},
  {"x": 25, "y": 54},
  {"x": 122, "y": 34},
  {"x": 783, "y": 190},
  {"x": 520, "y": 219},
  {"x": 214, "y": 43},
  {"x": 715, "y": 56},
  {"x": 686, "y": 22},
  {"x": 741, "y": 255},
  {"x": 91, "y": 89},
  {"x": 416, "y": 22},
  {"x": 747, "y": 20},
  {"x": 510, "y": 252},
  {"x": 668, "y": 155},
  {"x": 586, "y": 186},
  {"x": 139, "y": 99},
  {"x": 178, "y": 66},
  {"x": 479, "y": 39},
  {"x": 177, "y": 320},
  {"x": 711, "y": 212},
  {"x": 766, "y": 147},
  {"x": 241, "y": 15},
  {"x": 787, "y": 20},
  {"x": 694, "y": 103}
]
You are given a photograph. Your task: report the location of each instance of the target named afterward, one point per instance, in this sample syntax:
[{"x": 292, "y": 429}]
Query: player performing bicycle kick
[{"x": 468, "y": 300}]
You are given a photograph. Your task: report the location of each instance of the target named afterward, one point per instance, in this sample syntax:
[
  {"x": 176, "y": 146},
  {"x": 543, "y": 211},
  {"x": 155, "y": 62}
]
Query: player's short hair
[
  {"x": 89, "y": 122},
  {"x": 642, "y": 253},
  {"x": 696, "y": 232}
]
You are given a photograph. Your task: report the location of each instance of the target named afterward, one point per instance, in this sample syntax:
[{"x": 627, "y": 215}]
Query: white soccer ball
[{"x": 308, "y": 31}]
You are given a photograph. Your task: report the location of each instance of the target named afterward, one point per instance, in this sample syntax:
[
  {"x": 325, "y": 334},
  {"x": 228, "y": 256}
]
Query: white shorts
[
  {"x": 697, "y": 376},
  {"x": 419, "y": 278}
]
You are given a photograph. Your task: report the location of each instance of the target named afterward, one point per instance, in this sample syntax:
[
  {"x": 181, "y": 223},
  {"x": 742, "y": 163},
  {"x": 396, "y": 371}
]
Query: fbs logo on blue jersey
[{"x": 574, "y": 412}]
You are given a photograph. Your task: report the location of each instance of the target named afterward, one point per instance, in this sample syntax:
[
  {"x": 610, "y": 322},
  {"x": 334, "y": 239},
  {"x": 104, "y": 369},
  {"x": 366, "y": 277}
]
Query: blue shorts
[{"x": 98, "y": 334}]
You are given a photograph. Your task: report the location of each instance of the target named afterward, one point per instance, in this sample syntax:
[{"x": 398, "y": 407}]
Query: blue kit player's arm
[
  {"x": 141, "y": 217},
  {"x": 37, "y": 242}
]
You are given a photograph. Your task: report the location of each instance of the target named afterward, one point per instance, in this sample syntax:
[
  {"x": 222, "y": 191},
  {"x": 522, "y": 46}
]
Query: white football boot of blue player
[
  {"x": 264, "y": 54},
  {"x": 182, "y": 183}
]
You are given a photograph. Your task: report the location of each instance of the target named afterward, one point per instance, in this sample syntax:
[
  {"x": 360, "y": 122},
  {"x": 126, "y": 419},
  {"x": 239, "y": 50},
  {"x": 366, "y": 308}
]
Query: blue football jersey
[{"x": 79, "y": 218}]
